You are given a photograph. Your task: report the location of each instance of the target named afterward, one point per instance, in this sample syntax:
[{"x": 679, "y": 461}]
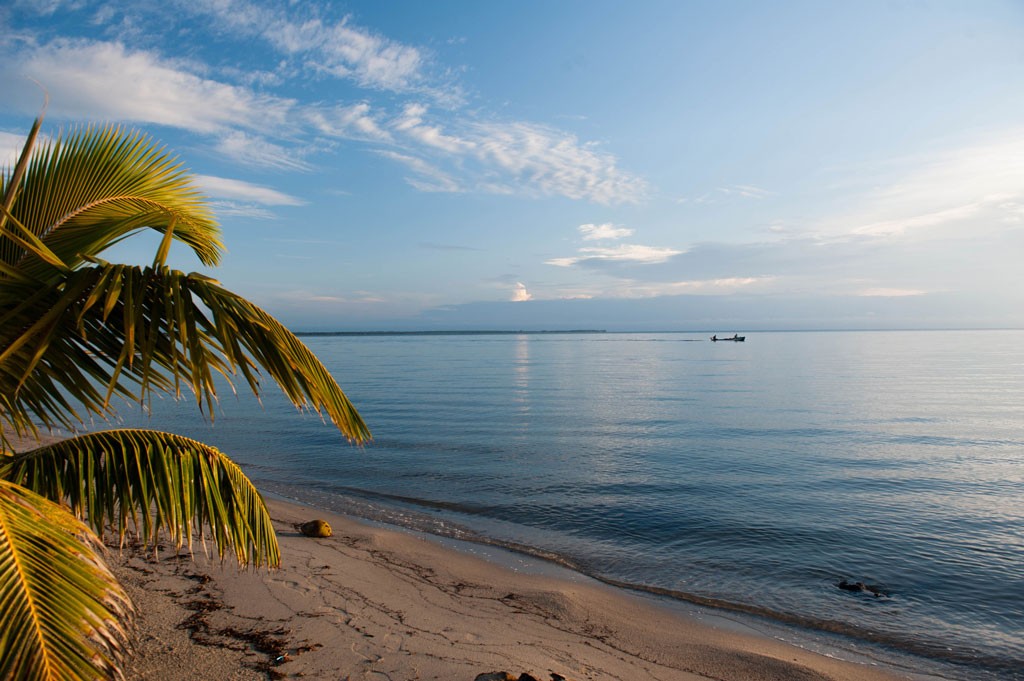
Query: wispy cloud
[
  {"x": 299, "y": 297},
  {"x": 355, "y": 121},
  {"x": 447, "y": 148},
  {"x": 237, "y": 198},
  {"x": 1012, "y": 211},
  {"x": 339, "y": 48},
  {"x": 555, "y": 163},
  {"x": 723, "y": 286},
  {"x": 255, "y": 150},
  {"x": 605, "y": 231},
  {"x": 623, "y": 253},
  {"x": 44, "y": 7},
  {"x": 898, "y": 226},
  {"x": 599, "y": 256},
  {"x": 358, "y": 297},
  {"x": 890, "y": 292},
  {"x": 745, "y": 191},
  {"x": 428, "y": 178},
  {"x": 959, "y": 192},
  {"x": 227, "y": 188},
  {"x": 512, "y": 158},
  {"x": 102, "y": 80},
  {"x": 728, "y": 192},
  {"x": 241, "y": 210},
  {"x": 411, "y": 123},
  {"x": 637, "y": 289}
]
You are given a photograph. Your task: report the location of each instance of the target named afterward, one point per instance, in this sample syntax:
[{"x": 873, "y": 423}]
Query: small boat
[{"x": 736, "y": 337}]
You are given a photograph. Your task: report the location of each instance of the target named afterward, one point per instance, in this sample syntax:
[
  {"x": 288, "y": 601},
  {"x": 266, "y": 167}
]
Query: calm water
[{"x": 757, "y": 474}]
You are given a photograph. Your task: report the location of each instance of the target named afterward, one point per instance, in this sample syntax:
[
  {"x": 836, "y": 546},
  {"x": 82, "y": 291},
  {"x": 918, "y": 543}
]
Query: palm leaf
[
  {"x": 84, "y": 192},
  {"x": 64, "y": 613},
  {"x": 157, "y": 483},
  {"x": 76, "y": 331},
  {"x": 114, "y": 329}
]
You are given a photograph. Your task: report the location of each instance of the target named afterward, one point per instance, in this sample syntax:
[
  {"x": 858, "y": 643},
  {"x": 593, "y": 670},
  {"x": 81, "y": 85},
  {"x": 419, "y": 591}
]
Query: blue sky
[{"x": 650, "y": 165}]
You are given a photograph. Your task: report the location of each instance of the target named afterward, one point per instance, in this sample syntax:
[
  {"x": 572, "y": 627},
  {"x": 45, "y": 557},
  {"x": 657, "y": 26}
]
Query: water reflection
[{"x": 521, "y": 382}]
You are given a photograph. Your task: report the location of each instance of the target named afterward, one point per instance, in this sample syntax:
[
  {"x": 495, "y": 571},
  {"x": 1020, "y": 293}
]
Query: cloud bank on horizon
[{"x": 416, "y": 159}]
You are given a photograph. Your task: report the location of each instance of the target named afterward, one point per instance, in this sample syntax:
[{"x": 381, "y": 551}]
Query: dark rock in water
[
  {"x": 861, "y": 587},
  {"x": 315, "y": 528}
]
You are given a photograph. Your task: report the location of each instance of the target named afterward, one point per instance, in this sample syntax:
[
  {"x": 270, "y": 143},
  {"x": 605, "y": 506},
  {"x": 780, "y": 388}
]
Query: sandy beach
[{"x": 379, "y": 603}]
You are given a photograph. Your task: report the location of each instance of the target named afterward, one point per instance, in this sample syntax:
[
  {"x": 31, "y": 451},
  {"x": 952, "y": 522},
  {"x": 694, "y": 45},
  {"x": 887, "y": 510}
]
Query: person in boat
[{"x": 715, "y": 337}]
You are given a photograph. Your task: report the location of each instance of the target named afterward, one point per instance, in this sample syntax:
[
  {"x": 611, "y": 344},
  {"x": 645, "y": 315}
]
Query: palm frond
[
  {"x": 76, "y": 331},
  {"x": 64, "y": 614},
  {"x": 114, "y": 329},
  {"x": 9, "y": 184},
  {"x": 157, "y": 482},
  {"x": 83, "y": 192}
]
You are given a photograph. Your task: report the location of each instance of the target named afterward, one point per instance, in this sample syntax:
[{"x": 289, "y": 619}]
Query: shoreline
[
  {"x": 827, "y": 637},
  {"x": 381, "y": 602}
]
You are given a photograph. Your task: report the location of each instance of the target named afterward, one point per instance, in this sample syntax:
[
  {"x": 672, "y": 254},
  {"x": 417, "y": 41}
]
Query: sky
[{"x": 654, "y": 165}]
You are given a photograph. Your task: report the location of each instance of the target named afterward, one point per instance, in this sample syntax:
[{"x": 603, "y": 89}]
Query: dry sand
[{"x": 375, "y": 603}]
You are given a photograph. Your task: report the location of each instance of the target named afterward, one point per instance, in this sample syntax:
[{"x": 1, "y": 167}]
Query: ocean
[{"x": 751, "y": 476}]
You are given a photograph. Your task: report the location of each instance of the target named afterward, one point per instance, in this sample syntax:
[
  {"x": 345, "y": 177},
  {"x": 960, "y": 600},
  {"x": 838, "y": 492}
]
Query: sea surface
[{"x": 755, "y": 476}]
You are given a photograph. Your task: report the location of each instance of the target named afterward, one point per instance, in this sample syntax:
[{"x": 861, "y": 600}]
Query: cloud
[
  {"x": 1012, "y": 211},
  {"x": 745, "y": 191},
  {"x": 604, "y": 231},
  {"x": 357, "y": 298},
  {"x": 627, "y": 288},
  {"x": 520, "y": 294},
  {"x": 410, "y": 122},
  {"x": 897, "y": 227},
  {"x": 11, "y": 145},
  {"x": 254, "y": 150},
  {"x": 238, "y": 198},
  {"x": 515, "y": 158},
  {"x": 552, "y": 162},
  {"x": 447, "y": 149},
  {"x": 723, "y": 286},
  {"x": 430, "y": 179},
  {"x": 623, "y": 253},
  {"x": 107, "y": 81},
  {"x": 354, "y": 121},
  {"x": 512, "y": 158},
  {"x": 373, "y": 61},
  {"x": 338, "y": 48},
  {"x": 953, "y": 193},
  {"x": 945, "y": 222},
  {"x": 242, "y": 210},
  {"x": 890, "y": 293},
  {"x": 732, "y": 191},
  {"x": 223, "y": 187}
]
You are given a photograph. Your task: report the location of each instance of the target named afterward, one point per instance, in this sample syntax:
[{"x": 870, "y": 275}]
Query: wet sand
[{"x": 380, "y": 603}]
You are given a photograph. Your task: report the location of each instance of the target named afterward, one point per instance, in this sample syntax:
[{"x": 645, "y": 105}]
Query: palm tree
[{"x": 77, "y": 331}]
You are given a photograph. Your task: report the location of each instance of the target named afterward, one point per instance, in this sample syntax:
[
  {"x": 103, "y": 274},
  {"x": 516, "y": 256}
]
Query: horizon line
[{"x": 515, "y": 332}]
